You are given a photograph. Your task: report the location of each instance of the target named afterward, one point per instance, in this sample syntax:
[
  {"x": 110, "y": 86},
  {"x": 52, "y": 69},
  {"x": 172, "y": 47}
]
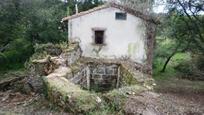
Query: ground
[
  {"x": 158, "y": 102},
  {"x": 166, "y": 103},
  {"x": 169, "y": 103},
  {"x": 172, "y": 95},
  {"x": 18, "y": 103}
]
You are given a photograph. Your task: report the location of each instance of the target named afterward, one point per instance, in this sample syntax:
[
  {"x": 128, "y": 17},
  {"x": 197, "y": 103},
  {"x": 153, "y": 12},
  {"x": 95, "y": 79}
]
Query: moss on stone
[
  {"x": 116, "y": 98},
  {"x": 68, "y": 95},
  {"x": 76, "y": 67},
  {"x": 127, "y": 77},
  {"x": 126, "y": 91},
  {"x": 72, "y": 47}
]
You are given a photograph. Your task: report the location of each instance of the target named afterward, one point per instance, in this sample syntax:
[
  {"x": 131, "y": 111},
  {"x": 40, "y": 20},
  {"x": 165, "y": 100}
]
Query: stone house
[
  {"x": 110, "y": 47},
  {"x": 114, "y": 31}
]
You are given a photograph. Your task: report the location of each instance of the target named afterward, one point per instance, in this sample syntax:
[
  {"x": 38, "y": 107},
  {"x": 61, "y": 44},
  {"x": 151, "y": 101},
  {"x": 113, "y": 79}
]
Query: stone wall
[
  {"x": 103, "y": 77},
  {"x": 94, "y": 76},
  {"x": 79, "y": 76},
  {"x": 127, "y": 77},
  {"x": 132, "y": 74},
  {"x": 72, "y": 54},
  {"x": 67, "y": 95},
  {"x": 66, "y": 76}
]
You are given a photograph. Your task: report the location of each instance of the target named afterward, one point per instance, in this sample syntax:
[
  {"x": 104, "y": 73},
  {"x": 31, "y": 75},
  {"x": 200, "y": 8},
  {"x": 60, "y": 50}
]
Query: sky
[{"x": 159, "y": 7}]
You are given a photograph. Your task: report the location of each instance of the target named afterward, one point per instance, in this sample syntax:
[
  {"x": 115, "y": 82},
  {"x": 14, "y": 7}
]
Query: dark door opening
[{"x": 99, "y": 37}]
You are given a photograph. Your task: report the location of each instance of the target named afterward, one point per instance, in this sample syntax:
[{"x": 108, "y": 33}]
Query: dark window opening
[
  {"x": 99, "y": 37},
  {"x": 120, "y": 16}
]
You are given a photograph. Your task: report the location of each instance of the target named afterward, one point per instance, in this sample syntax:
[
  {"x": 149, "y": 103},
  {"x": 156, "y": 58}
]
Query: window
[
  {"x": 99, "y": 37},
  {"x": 120, "y": 16}
]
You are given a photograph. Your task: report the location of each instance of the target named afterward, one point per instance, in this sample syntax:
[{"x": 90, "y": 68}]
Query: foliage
[
  {"x": 82, "y": 5},
  {"x": 170, "y": 82},
  {"x": 25, "y": 23},
  {"x": 182, "y": 65},
  {"x": 193, "y": 69},
  {"x": 180, "y": 28},
  {"x": 188, "y": 14},
  {"x": 44, "y": 51},
  {"x": 87, "y": 4},
  {"x": 144, "y": 6},
  {"x": 114, "y": 101}
]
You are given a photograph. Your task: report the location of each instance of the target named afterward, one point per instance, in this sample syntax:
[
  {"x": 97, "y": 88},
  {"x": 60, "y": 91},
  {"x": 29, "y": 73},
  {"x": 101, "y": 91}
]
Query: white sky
[{"x": 159, "y": 8}]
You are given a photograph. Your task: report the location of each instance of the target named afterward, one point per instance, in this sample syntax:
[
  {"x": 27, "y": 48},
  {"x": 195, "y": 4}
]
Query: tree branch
[{"x": 197, "y": 27}]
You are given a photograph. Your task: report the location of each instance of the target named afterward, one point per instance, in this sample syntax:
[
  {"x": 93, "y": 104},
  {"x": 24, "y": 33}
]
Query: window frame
[
  {"x": 94, "y": 37},
  {"x": 121, "y": 14}
]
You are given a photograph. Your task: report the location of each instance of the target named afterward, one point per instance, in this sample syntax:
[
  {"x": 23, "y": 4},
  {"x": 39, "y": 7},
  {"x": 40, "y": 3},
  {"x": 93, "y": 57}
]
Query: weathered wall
[
  {"x": 103, "y": 77},
  {"x": 67, "y": 95},
  {"x": 123, "y": 38},
  {"x": 79, "y": 75},
  {"x": 93, "y": 74},
  {"x": 72, "y": 54}
]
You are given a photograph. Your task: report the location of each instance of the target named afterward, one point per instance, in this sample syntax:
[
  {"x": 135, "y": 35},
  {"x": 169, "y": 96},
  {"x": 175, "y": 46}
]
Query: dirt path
[{"x": 150, "y": 103}]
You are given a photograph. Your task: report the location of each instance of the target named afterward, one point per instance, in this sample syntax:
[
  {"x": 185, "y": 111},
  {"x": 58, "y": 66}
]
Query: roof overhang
[{"x": 115, "y": 5}]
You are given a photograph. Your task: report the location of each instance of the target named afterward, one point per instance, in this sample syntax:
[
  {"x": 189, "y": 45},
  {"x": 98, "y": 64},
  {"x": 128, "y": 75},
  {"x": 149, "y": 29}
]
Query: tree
[
  {"x": 145, "y": 6},
  {"x": 88, "y": 4},
  {"x": 191, "y": 10},
  {"x": 26, "y": 22},
  {"x": 184, "y": 25}
]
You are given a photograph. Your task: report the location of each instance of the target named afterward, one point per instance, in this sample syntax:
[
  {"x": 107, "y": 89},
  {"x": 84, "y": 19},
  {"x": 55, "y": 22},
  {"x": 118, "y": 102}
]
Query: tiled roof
[{"x": 121, "y": 7}]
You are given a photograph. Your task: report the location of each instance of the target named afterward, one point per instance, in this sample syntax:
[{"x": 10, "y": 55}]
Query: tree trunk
[
  {"x": 169, "y": 58},
  {"x": 167, "y": 61}
]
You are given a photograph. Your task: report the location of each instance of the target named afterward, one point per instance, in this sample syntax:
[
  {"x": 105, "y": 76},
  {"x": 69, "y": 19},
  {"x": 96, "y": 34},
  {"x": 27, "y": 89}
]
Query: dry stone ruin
[{"x": 70, "y": 77}]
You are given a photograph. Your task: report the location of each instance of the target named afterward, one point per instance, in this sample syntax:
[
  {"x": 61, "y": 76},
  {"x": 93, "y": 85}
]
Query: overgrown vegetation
[
  {"x": 33, "y": 27},
  {"x": 25, "y": 23},
  {"x": 179, "y": 48}
]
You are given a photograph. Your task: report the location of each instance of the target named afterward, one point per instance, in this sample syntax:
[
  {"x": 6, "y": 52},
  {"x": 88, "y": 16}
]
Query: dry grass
[{"x": 177, "y": 85}]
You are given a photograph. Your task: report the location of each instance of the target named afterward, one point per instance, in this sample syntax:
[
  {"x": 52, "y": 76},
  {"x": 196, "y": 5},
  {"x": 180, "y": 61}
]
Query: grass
[
  {"x": 7, "y": 74},
  {"x": 177, "y": 59},
  {"x": 170, "y": 80},
  {"x": 11, "y": 67}
]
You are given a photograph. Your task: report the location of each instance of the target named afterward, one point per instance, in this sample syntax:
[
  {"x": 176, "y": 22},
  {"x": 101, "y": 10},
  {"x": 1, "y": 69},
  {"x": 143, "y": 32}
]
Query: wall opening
[
  {"x": 102, "y": 77},
  {"x": 120, "y": 16},
  {"x": 99, "y": 36}
]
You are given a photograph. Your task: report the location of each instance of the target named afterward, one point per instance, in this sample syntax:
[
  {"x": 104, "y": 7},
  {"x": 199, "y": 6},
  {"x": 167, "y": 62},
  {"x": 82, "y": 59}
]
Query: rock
[
  {"x": 35, "y": 83},
  {"x": 27, "y": 89},
  {"x": 98, "y": 99},
  {"x": 67, "y": 95},
  {"x": 8, "y": 82}
]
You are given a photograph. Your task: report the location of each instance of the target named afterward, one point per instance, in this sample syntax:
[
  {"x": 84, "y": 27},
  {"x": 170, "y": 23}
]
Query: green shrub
[{"x": 193, "y": 69}]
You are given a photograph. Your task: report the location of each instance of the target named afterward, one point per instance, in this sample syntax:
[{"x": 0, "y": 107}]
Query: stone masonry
[{"x": 70, "y": 74}]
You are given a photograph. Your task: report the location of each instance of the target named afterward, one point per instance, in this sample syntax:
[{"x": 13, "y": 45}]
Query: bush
[
  {"x": 16, "y": 54},
  {"x": 3, "y": 58},
  {"x": 51, "y": 49},
  {"x": 193, "y": 69}
]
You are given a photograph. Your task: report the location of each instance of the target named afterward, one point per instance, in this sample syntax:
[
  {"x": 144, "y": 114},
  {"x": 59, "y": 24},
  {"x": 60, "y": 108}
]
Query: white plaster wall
[{"x": 123, "y": 38}]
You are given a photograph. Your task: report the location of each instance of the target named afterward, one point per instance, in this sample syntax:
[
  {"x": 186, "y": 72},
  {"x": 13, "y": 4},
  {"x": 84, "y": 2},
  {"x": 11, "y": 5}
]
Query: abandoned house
[
  {"x": 113, "y": 31},
  {"x": 110, "y": 47}
]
